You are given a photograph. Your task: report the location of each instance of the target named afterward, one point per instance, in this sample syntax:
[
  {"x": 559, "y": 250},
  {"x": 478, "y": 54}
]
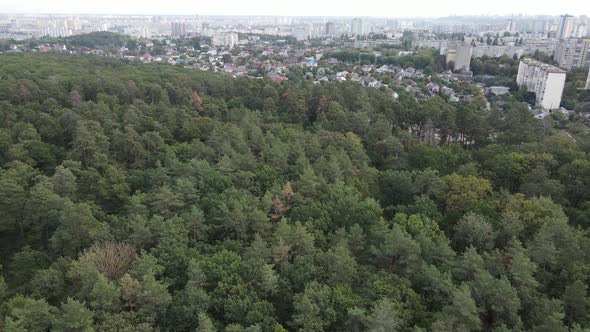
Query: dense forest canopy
[
  {"x": 92, "y": 40},
  {"x": 424, "y": 58},
  {"x": 150, "y": 197}
]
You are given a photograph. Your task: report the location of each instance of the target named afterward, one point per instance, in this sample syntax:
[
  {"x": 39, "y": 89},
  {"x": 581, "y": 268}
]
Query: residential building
[
  {"x": 588, "y": 81},
  {"x": 434, "y": 43},
  {"x": 56, "y": 32},
  {"x": 463, "y": 76},
  {"x": 311, "y": 62},
  {"x": 301, "y": 32},
  {"x": 228, "y": 40},
  {"x": 545, "y": 80},
  {"x": 573, "y": 53},
  {"x": 139, "y": 32},
  {"x": 529, "y": 46},
  {"x": 178, "y": 29},
  {"x": 330, "y": 29},
  {"x": 581, "y": 31},
  {"x": 499, "y": 90},
  {"x": 459, "y": 53},
  {"x": 510, "y": 26},
  {"x": 546, "y": 46},
  {"x": 357, "y": 27},
  {"x": 433, "y": 88},
  {"x": 566, "y": 27},
  {"x": 497, "y": 51}
]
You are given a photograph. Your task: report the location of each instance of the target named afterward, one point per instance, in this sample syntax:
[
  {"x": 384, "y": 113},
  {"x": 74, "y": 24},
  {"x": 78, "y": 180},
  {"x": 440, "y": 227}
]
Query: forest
[
  {"x": 425, "y": 58},
  {"x": 155, "y": 198}
]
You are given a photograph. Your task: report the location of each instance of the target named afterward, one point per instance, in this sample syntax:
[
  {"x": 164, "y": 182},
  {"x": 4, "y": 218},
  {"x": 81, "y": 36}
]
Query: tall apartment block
[
  {"x": 459, "y": 53},
  {"x": 573, "y": 53},
  {"x": 179, "y": 29},
  {"x": 545, "y": 80},
  {"x": 565, "y": 28}
]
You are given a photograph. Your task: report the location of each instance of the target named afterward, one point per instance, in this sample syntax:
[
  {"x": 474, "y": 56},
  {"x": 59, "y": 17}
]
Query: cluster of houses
[
  {"x": 43, "y": 48},
  {"x": 409, "y": 79},
  {"x": 543, "y": 113}
]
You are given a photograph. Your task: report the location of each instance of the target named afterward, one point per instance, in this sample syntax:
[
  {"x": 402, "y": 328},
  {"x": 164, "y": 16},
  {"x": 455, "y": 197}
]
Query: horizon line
[{"x": 488, "y": 15}]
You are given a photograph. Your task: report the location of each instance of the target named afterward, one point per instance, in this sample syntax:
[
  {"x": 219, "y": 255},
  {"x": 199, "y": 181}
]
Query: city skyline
[{"x": 371, "y": 8}]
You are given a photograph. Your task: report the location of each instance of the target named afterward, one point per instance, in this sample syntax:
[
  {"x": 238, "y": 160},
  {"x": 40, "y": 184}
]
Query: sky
[{"x": 381, "y": 8}]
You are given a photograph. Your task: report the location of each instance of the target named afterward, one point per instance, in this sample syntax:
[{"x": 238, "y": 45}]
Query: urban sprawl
[{"x": 421, "y": 56}]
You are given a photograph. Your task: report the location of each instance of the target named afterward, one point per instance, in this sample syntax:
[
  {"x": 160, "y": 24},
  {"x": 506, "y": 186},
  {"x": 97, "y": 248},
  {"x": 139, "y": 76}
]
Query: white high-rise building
[
  {"x": 357, "y": 27},
  {"x": 510, "y": 25},
  {"x": 228, "y": 40},
  {"x": 565, "y": 29},
  {"x": 545, "y": 80},
  {"x": 588, "y": 81}
]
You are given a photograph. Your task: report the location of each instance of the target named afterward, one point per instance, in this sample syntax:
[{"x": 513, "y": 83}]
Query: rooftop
[{"x": 544, "y": 66}]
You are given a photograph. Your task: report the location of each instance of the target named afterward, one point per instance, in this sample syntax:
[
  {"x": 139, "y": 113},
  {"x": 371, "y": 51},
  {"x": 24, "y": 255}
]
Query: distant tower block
[
  {"x": 566, "y": 27},
  {"x": 459, "y": 53}
]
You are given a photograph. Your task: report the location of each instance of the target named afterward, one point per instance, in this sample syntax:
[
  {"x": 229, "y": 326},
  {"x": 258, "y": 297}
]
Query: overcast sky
[{"x": 390, "y": 8}]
